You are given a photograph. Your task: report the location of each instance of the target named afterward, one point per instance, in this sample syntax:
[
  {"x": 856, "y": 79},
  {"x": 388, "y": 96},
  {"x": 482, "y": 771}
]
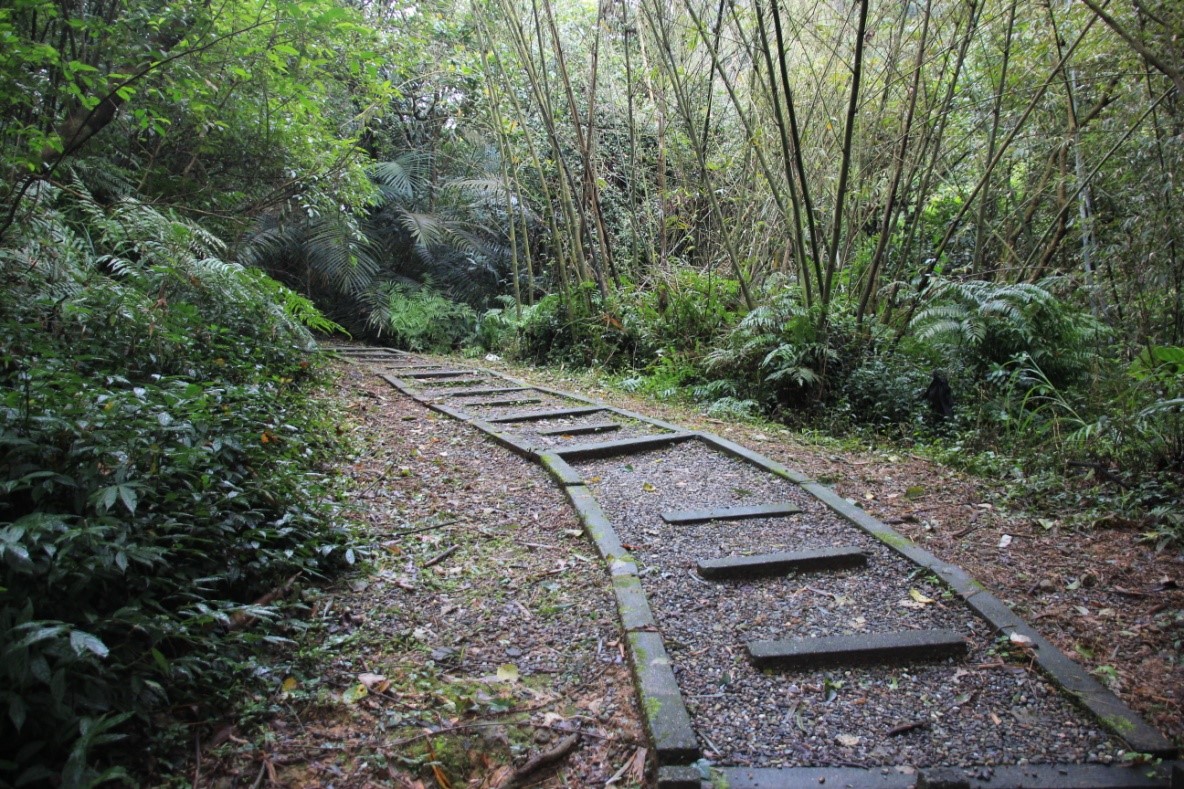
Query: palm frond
[
  {"x": 402, "y": 178},
  {"x": 425, "y": 229}
]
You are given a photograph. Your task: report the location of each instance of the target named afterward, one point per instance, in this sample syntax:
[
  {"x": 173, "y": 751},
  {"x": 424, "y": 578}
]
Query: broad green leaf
[
  {"x": 81, "y": 641},
  {"x": 355, "y": 693}
]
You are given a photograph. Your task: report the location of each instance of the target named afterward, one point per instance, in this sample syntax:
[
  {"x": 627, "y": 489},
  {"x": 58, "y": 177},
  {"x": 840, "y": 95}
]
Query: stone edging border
[{"x": 666, "y": 717}]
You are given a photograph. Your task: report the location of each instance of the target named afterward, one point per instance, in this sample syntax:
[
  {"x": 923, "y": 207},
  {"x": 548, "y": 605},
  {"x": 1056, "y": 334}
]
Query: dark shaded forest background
[{"x": 805, "y": 211}]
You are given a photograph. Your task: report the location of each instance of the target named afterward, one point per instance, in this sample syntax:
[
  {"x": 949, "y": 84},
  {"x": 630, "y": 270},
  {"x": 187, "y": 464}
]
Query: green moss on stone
[{"x": 1119, "y": 724}]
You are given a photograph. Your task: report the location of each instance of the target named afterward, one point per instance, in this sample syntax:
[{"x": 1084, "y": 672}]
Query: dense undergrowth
[
  {"x": 162, "y": 466},
  {"x": 1040, "y": 391}
]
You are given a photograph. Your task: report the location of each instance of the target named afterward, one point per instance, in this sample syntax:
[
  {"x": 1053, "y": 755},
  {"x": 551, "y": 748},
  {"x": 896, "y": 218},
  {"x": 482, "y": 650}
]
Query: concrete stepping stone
[
  {"x": 864, "y": 648},
  {"x": 420, "y": 372},
  {"x": 781, "y": 563},
  {"x": 533, "y": 416},
  {"x": 489, "y": 390},
  {"x": 731, "y": 513},
  {"x": 580, "y": 430},
  {"x": 624, "y": 446},
  {"x": 450, "y": 382},
  {"x": 400, "y": 365},
  {"x": 497, "y": 403}
]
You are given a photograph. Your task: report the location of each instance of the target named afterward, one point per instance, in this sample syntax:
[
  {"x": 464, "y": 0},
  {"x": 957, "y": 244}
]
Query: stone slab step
[
  {"x": 398, "y": 364},
  {"x": 580, "y": 430},
  {"x": 864, "y": 648},
  {"x": 781, "y": 563},
  {"x": 731, "y": 513},
  {"x": 420, "y": 372},
  {"x": 450, "y": 382},
  {"x": 624, "y": 446},
  {"x": 556, "y": 413},
  {"x": 489, "y": 390},
  {"x": 1033, "y": 776},
  {"x": 497, "y": 403}
]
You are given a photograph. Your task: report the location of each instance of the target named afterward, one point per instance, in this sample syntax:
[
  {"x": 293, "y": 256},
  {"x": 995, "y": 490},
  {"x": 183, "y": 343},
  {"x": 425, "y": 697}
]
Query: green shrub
[
  {"x": 160, "y": 468},
  {"x": 684, "y": 312},
  {"x": 577, "y": 328},
  {"x": 885, "y": 390}
]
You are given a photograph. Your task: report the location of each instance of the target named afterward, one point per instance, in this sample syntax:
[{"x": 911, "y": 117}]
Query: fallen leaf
[
  {"x": 1020, "y": 640},
  {"x": 375, "y": 682},
  {"x": 920, "y": 598},
  {"x": 355, "y": 693},
  {"x": 847, "y": 740}
]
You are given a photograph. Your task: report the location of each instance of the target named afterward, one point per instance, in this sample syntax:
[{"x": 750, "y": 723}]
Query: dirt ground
[{"x": 479, "y": 646}]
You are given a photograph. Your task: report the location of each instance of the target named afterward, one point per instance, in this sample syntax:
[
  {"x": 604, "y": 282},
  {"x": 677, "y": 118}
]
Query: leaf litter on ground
[{"x": 475, "y": 644}]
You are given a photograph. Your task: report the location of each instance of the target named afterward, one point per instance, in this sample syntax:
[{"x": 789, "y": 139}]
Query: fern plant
[
  {"x": 979, "y": 324},
  {"x": 777, "y": 354}
]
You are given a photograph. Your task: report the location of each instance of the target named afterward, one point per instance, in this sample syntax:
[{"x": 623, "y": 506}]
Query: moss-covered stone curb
[
  {"x": 595, "y": 523},
  {"x": 679, "y": 777},
  {"x": 666, "y": 717},
  {"x": 560, "y": 469},
  {"x": 743, "y": 453}
]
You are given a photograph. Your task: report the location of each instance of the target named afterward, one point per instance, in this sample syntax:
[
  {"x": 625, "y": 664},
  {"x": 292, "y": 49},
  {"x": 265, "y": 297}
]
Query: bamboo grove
[{"x": 858, "y": 149}]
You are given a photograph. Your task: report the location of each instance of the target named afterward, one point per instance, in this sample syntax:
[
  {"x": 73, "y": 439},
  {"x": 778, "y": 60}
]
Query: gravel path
[
  {"x": 983, "y": 710},
  {"x": 992, "y": 707}
]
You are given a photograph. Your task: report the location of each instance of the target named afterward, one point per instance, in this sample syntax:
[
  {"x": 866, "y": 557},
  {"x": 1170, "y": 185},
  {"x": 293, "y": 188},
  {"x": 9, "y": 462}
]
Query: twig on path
[
  {"x": 832, "y": 595},
  {"x": 635, "y": 763},
  {"x": 440, "y": 557},
  {"x": 259, "y": 778},
  {"x": 906, "y": 727},
  {"x": 964, "y": 532},
  {"x": 441, "y": 525},
  {"x": 541, "y": 760}
]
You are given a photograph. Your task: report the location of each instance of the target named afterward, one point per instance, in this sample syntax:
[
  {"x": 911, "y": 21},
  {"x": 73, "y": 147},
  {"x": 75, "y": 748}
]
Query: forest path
[{"x": 835, "y": 641}]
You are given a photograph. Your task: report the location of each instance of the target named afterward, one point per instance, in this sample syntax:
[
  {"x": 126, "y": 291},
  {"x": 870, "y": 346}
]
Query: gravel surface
[{"x": 990, "y": 708}]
